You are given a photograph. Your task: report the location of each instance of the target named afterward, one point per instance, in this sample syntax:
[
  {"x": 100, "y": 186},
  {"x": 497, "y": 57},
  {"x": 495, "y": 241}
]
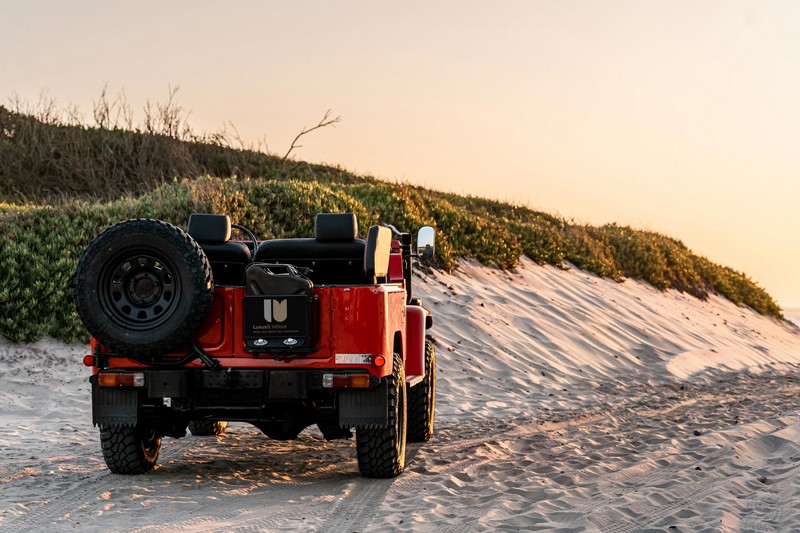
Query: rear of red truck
[{"x": 193, "y": 330}]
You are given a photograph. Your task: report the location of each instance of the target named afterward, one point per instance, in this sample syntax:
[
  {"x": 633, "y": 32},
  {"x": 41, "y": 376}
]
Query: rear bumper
[{"x": 172, "y": 398}]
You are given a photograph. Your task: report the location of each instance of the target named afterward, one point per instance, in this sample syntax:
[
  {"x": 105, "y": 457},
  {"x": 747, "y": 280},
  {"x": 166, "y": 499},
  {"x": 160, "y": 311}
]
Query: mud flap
[
  {"x": 114, "y": 407},
  {"x": 364, "y": 408}
]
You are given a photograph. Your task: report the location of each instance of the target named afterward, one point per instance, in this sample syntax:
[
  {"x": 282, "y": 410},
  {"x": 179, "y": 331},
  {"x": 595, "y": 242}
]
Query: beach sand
[
  {"x": 793, "y": 315},
  {"x": 566, "y": 402}
]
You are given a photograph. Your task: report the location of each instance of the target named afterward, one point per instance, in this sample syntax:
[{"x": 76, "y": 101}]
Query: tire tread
[
  {"x": 381, "y": 451},
  {"x": 124, "y": 452},
  {"x": 199, "y": 288},
  {"x": 422, "y": 401}
]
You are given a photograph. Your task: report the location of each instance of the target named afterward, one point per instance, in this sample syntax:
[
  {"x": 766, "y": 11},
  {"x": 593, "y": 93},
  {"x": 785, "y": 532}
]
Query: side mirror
[{"x": 425, "y": 242}]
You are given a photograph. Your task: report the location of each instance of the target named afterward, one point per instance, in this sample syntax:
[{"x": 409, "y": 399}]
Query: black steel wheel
[
  {"x": 143, "y": 287},
  {"x": 138, "y": 288}
]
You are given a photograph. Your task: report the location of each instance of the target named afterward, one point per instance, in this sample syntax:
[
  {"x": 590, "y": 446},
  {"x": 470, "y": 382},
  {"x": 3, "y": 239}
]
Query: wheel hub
[{"x": 144, "y": 288}]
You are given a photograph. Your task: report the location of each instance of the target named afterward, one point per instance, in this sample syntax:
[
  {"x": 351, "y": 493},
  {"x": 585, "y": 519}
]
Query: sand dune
[
  {"x": 793, "y": 315},
  {"x": 565, "y": 403}
]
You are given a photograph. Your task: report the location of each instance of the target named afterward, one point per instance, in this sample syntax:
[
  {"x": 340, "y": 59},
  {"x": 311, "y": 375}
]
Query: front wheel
[
  {"x": 382, "y": 451},
  {"x": 130, "y": 450},
  {"x": 422, "y": 400}
]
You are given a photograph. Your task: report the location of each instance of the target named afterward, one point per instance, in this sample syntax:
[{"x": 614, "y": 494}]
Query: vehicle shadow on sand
[{"x": 246, "y": 454}]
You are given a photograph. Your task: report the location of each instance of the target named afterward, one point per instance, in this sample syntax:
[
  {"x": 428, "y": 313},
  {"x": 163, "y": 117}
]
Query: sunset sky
[{"x": 676, "y": 116}]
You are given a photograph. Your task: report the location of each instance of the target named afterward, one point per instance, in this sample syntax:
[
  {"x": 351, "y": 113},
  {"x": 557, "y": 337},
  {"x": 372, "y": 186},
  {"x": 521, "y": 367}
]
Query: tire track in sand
[{"x": 75, "y": 500}]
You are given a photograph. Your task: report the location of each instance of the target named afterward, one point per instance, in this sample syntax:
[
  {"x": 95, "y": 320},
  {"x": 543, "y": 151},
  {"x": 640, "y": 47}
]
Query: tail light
[
  {"x": 346, "y": 381},
  {"x": 119, "y": 379}
]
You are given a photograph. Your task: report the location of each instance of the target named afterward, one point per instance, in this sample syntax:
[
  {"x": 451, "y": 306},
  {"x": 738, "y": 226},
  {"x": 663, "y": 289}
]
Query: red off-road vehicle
[{"x": 193, "y": 329}]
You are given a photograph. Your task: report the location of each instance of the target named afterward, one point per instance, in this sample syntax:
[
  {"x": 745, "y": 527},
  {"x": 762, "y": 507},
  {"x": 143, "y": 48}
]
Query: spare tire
[{"x": 143, "y": 287}]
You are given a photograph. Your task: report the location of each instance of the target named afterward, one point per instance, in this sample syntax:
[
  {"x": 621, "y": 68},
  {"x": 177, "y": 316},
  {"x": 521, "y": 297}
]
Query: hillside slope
[
  {"x": 51, "y": 158},
  {"x": 117, "y": 174},
  {"x": 40, "y": 245}
]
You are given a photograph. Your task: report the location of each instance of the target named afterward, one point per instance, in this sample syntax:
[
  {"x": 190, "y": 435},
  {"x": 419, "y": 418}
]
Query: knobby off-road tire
[
  {"x": 422, "y": 401},
  {"x": 143, "y": 287},
  {"x": 207, "y": 427},
  {"x": 129, "y": 450},
  {"x": 382, "y": 451}
]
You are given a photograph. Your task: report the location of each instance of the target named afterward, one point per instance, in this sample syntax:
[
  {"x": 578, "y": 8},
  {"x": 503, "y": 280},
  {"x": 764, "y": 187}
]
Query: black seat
[
  {"x": 228, "y": 258},
  {"x": 334, "y": 255}
]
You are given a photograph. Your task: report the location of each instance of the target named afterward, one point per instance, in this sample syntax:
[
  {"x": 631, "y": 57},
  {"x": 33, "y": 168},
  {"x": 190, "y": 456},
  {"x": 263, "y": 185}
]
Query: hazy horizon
[
  {"x": 678, "y": 117},
  {"x": 793, "y": 314}
]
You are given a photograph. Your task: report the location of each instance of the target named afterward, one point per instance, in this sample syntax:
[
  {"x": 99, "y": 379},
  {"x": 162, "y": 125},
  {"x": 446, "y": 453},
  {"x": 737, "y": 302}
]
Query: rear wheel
[
  {"x": 143, "y": 287},
  {"x": 207, "y": 427},
  {"x": 382, "y": 451},
  {"x": 130, "y": 450},
  {"x": 422, "y": 400}
]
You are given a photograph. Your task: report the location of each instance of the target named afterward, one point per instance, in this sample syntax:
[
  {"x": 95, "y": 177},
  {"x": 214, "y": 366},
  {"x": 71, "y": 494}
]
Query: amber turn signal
[
  {"x": 359, "y": 381},
  {"x": 128, "y": 379},
  {"x": 345, "y": 381}
]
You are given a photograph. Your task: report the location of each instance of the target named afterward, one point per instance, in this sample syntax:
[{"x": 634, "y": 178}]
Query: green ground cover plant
[{"x": 40, "y": 245}]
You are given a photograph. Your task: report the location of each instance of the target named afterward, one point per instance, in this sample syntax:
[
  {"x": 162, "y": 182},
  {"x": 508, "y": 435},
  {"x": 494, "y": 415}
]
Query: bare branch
[
  {"x": 236, "y": 137},
  {"x": 102, "y": 109},
  {"x": 15, "y": 103},
  {"x": 73, "y": 114},
  {"x": 326, "y": 121},
  {"x": 261, "y": 145},
  {"x": 170, "y": 115},
  {"x": 124, "y": 113},
  {"x": 149, "y": 118}
]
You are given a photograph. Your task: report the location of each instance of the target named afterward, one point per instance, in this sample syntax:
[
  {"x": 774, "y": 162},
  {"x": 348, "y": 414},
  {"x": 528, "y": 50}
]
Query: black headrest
[
  {"x": 209, "y": 228},
  {"x": 331, "y": 227}
]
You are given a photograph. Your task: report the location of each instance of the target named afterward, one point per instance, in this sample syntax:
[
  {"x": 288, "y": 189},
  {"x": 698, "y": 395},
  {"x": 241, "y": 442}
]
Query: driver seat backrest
[
  {"x": 334, "y": 254},
  {"x": 376, "y": 255},
  {"x": 228, "y": 258},
  {"x": 335, "y": 227}
]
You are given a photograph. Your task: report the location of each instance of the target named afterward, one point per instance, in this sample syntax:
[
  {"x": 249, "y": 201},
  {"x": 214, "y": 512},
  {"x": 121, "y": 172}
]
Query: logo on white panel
[{"x": 276, "y": 310}]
